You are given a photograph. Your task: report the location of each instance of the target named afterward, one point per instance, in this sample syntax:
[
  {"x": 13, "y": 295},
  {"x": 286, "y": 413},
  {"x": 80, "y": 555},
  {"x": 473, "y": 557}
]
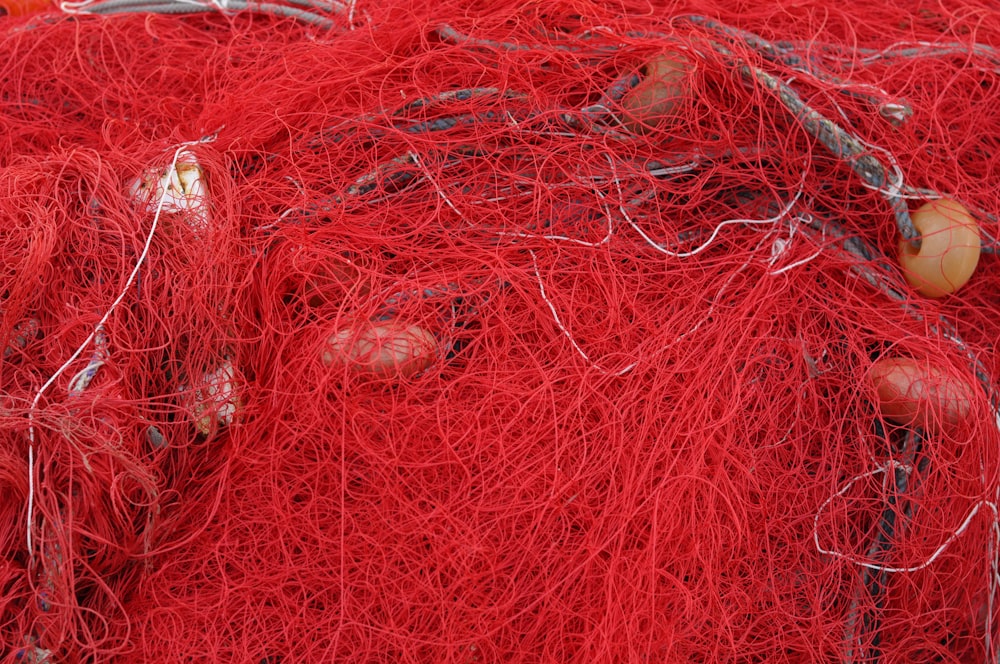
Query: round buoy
[
  {"x": 382, "y": 348},
  {"x": 657, "y": 96},
  {"x": 912, "y": 393},
  {"x": 949, "y": 248}
]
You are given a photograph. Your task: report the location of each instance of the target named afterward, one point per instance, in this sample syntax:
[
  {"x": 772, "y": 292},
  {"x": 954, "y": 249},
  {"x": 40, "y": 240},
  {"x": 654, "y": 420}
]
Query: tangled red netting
[{"x": 472, "y": 332}]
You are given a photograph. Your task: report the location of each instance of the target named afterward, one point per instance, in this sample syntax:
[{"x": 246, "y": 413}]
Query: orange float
[
  {"x": 24, "y": 7},
  {"x": 331, "y": 282},
  {"x": 915, "y": 394},
  {"x": 382, "y": 348},
  {"x": 658, "y": 95},
  {"x": 949, "y": 248}
]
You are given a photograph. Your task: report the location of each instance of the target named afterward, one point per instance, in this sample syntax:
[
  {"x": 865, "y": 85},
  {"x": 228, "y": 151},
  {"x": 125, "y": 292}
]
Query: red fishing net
[{"x": 498, "y": 333}]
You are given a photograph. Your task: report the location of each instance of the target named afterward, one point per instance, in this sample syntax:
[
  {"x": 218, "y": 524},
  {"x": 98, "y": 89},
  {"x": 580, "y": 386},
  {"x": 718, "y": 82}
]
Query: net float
[
  {"x": 382, "y": 348},
  {"x": 657, "y": 96},
  {"x": 24, "y": 7},
  {"x": 182, "y": 188},
  {"x": 216, "y": 401},
  {"x": 916, "y": 394},
  {"x": 331, "y": 281},
  {"x": 949, "y": 248}
]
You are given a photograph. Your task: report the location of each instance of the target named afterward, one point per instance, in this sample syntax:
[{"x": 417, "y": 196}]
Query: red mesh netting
[{"x": 496, "y": 333}]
